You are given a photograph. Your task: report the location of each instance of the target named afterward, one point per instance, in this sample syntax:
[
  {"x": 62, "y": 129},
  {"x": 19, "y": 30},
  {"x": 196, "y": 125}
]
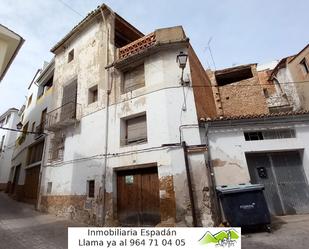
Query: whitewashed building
[
  {"x": 8, "y": 122},
  {"x": 123, "y": 141},
  {"x": 10, "y": 43},
  {"x": 28, "y": 152},
  {"x": 270, "y": 149}
]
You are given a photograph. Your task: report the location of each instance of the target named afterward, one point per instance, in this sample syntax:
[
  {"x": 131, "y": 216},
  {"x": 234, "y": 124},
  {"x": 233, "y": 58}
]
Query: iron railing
[
  {"x": 39, "y": 130},
  {"x": 63, "y": 116}
]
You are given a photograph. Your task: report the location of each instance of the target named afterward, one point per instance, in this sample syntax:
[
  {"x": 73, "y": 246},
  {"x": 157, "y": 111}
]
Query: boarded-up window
[
  {"x": 136, "y": 130},
  {"x": 134, "y": 79},
  {"x": 35, "y": 153}
]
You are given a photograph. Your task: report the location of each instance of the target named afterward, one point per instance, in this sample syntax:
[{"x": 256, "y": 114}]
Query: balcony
[
  {"x": 64, "y": 116},
  {"x": 137, "y": 46},
  {"x": 39, "y": 130}
]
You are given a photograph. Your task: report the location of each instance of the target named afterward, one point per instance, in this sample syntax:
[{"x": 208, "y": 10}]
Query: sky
[{"x": 239, "y": 31}]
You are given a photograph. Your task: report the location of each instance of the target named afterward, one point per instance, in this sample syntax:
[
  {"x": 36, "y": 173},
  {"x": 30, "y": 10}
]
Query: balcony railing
[
  {"x": 39, "y": 130},
  {"x": 137, "y": 46},
  {"x": 66, "y": 115}
]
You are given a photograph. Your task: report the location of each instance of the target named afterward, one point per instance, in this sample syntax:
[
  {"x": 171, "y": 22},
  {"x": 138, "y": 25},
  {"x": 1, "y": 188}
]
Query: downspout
[
  {"x": 185, "y": 152},
  {"x": 39, "y": 192},
  {"x": 108, "y": 92},
  {"x": 211, "y": 177}
]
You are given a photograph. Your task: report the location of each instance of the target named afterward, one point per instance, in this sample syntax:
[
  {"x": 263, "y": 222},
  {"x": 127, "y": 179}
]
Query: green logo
[{"x": 226, "y": 238}]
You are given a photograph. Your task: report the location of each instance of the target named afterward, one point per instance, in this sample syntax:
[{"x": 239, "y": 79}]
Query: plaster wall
[
  {"x": 228, "y": 148},
  {"x": 8, "y": 147}
]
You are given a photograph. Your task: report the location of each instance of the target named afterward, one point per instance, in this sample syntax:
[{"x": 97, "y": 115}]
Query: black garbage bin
[{"x": 244, "y": 205}]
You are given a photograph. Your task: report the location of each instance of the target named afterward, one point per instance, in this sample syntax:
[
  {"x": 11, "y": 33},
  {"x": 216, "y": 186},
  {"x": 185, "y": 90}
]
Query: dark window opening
[
  {"x": 269, "y": 134},
  {"x": 71, "y": 56},
  {"x": 225, "y": 78},
  {"x": 49, "y": 187},
  {"x": 266, "y": 93},
  {"x": 304, "y": 66},
  {"x": 90, "y": 187},
  {"x": 93, "y": 94}
]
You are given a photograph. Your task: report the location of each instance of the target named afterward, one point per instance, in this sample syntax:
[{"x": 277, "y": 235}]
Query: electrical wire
[
  {"x": 69, "y": 7},
  {"x": 111, "y": 155}
]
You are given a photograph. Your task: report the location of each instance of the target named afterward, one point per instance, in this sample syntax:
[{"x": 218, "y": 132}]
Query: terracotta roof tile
[{"x": 256, "y": 116}]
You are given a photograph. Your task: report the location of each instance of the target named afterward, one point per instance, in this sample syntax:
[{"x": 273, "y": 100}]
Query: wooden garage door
[
  {"x": 138, "y": 202},
  {"x": 31, "y": 183}
]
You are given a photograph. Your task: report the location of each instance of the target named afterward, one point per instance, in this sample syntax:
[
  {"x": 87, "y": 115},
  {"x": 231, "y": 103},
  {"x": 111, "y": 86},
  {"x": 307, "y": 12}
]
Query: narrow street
[
  {"x": 21, "y": 227},
  {"x": 289, "y": 232}
]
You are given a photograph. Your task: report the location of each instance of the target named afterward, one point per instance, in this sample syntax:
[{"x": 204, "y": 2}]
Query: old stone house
[{"x": 123, "y": 144}]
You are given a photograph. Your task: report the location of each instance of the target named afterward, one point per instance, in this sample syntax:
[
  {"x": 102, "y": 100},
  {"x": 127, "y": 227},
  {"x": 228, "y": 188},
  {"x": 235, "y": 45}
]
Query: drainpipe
[
  {"x": 185, "y": 152},
  {"x": 211, "y": 177},
  {"x": 108, "y": 92},
  {"x": 103, "y": 187},
  {"x": 39, "y": 192}
]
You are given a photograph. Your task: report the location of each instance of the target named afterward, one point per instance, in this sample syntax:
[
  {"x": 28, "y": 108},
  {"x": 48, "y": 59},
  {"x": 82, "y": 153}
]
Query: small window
[
  {"x": 71, "y": 56},
  {"x": 90, "y": 188},
  {"x": 29, "y": 100},
  {"x": 133, "y": 79},
  {"x": 93, "y": 94},
  {"x": 135, "y": 130},
  {"x": 49, "y": 187},
  {"x": 304, "y": 66},
  {"x": 269, "y": 134},
  {"x": 266, "y": 94}
]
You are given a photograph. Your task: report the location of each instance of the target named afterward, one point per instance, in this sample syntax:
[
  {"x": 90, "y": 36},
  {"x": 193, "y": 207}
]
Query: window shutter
[
  {"x": 134, "y": 78},
  {"x": 137, "y": 129},
  {"x": 69, "y": 98}
]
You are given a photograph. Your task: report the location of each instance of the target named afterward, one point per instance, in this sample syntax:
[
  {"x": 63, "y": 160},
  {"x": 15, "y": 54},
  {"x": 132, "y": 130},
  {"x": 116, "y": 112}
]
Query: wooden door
[
  {"x": 31, "y": 183},
  {"x": 138, "y": 201}
]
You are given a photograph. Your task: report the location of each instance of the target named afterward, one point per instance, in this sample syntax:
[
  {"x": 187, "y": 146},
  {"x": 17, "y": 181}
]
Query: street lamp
[
  {"x": 19, "y": 126},
  {"x": 181, "y": 59}
]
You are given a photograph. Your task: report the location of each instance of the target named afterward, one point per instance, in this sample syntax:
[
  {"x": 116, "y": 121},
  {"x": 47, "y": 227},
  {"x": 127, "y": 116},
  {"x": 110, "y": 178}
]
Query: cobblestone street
[{"x": 21, "y": 227}]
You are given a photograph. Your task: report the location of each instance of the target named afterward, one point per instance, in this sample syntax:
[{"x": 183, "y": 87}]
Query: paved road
[
  {"x": 289, "y": 232},
  {"x": 21, "y": 227}
]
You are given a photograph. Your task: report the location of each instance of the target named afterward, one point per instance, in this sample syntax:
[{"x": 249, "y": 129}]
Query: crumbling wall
[
  {"x": 71, "y": 206},
  {"x": 244, "y": 97}
]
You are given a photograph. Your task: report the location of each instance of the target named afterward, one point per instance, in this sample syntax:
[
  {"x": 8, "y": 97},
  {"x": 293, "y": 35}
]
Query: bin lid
[{"x": 229, "y": 189}]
